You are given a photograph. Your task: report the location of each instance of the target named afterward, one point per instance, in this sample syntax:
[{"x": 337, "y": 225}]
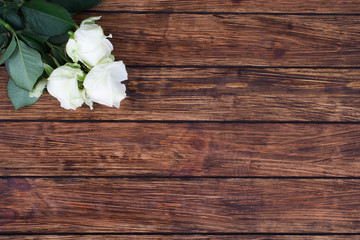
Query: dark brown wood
[
  {"x": 256, "y": 61},
  {"x": 179, "y": 205},
  {"x": 177, "y": 237},
  {"x": 233, "y": 40},
  {"x": 238, "y": 6},
  {"x": 160, "y": 149},
  {"x": 216, "y": 94}
]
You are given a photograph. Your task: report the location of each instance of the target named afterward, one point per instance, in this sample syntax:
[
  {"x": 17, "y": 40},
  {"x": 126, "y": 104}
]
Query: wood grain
[
  {"x": 235, "y": 6},
  {"x": 161, "y": 149},
  {"x": 178, "y": 237},
  {"x": 179, "y": 205},
  {"x": 230, "y": 60},
  {"x": 216, "y": 94},
  {"x": 233, "y": 40}
]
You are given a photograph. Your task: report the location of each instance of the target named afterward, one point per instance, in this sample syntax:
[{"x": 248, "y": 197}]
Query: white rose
[
  {"x": 89, "y": 44},
  {"x": 63, "y": 85},
  {"x": 103, "y": 83}
]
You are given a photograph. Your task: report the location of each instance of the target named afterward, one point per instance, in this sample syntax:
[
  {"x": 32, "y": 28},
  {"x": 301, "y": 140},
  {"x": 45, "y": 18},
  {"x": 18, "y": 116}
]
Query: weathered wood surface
[
  {"x": 216, "y": 94},
  {"x": 235, "y": 6},
  {"x": 281, "y": 67},
  {"x": 176, "y": 205},
  {"x": 234, "y": 40},
  {"x": 168, "y": 149},
  {"x": 178, "y": 237}
]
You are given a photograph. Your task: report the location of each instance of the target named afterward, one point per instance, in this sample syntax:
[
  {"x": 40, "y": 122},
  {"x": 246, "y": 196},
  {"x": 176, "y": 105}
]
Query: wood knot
[
  {"x": 196, "y": 143},
  {"x": 278, "y": 50}
]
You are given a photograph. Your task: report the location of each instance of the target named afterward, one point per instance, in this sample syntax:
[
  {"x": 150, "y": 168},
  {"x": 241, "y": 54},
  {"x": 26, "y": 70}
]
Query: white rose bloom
[
  {"x": 103, "y": 83},
  {"x": 63, "y": 85},
  {"x": 89, "y": 44}
]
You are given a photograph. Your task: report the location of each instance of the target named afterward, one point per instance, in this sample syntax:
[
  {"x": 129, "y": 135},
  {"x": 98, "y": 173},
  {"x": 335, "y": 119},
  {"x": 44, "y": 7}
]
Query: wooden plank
[
  {"x": 216, "y": 94},
  {"x": 191, "y": 149},
  {"x": 179, "y": 205},
  {"x": 233, "y": 40},
  {"x": 235, "y": 6},
  {"x": 177, "y": 237}
]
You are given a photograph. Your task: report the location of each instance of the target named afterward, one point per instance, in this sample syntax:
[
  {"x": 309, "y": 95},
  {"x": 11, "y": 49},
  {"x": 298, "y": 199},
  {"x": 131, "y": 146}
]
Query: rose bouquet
[{"x": 44, "y": 49}]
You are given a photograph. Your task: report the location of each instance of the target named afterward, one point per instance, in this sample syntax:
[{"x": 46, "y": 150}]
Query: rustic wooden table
[{"x": 242, "y": 122}]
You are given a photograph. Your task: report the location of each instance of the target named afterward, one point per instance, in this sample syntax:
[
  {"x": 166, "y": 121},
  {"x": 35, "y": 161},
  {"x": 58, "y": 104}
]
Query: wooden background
[{"x": 242, "y": 121}]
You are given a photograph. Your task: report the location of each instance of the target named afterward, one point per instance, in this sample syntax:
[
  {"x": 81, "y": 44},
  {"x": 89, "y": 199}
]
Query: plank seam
[
  {"x": 236, "y": 67},
  {"x": 184, "y": 177},
  {"x": 225, "y": 13},
  {"x": 239, "y": 66},
  {"x": 182, "y": 234},
  {"x": 184, "y": 121}
]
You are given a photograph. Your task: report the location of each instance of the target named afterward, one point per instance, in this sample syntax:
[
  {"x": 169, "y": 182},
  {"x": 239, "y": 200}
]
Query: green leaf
[
  {"x": 57, "y": 56},
  {"x": 56, "y": 62},
  {"x": 3, "y": 38},
  {"x": 35, "y": 36},
  {"x": 75, "y": 6},
  {"x": 18, "y": 96},
  {"x": 58, "y": 40},
  {"x": 9, "y": 51},
  {"x": 48, "y": 69},
  {"x": 31, "y": 42},
  {"x": 48, "y": 59},
  {"x": 11, "y": 16},
  {"x": 2, "y": 29},
  {"x": 25, "y": 66},
  {"x": 46, "y": 18}
]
